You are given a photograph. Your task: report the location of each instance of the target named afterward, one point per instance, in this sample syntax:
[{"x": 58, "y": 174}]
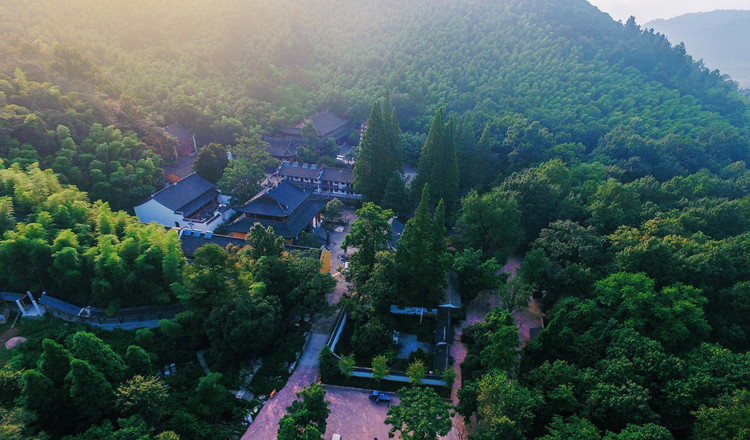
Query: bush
[{"x": 329, "y": 365}]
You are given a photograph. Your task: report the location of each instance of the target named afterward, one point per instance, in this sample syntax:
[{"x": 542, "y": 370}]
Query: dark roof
[
  {"x": 345, "y": 175},
  {"x": 181, "y": 168},
  {"x": 11, "y": 296},
  {"x": 179, "y": 131},
  {"x": 303, "y": 171},
  {"x": 326, "y": 122},
  {"x": 293, "y": 225},
  {"x": 278, "y": 201},
  {"x": 190, "y": 243},
  {"x": 282, "y": 147},
  {"x": 534, "y": 332},
  {"x": 397, "y": 228},
  {"x": 185, "y": 192}
]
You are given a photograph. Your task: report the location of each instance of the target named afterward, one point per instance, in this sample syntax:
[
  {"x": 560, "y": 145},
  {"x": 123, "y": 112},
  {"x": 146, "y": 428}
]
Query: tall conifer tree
[
  {"x": 421, "y": 257},
  {"x": 379, "y": 154},
  {"x": 438, "y": 165}
]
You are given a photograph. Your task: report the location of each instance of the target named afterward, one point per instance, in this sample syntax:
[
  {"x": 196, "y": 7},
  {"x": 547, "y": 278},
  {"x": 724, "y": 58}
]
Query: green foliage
[
  {"x": 211, "y": 162},
  {"x": 729, "y": 419},
  {"x": 211, "y": 399},
  {"x": 673, "y": 317},
  {"x": 264, "y": 242},
  {"x": 370, "y": 234},
  {"x": 416, "y": 371},
  {"x": 379, "y": 154},
  {"x": 498, "y": 339},
  {"x": 347, "y": 364},
  {"x": 371, "y": 339},
  {"x": 329, "y": 366},
  {"x": 308, "y": 239},
  {"x": 573, "y": 429},
  {"x": 421, "y": 257},
  {"x": 144, "y": 396},
  {"x": 241, "y": 179},
  {"x": 649, "y": 431},
  {"x": 514, "y": 295},
  {"x": 89, "y": 390},
  {"x": 206, "y": 281},
  {"x": 306, "y": 418},
  {"x": 80, "y": 252},
  {"x": 380, "y": 367},
  {"x": 138, "y": 361},
  {"x": 473, "y": 274},
  {"x": 88, "y": 347},
  {"x": 438, "y": 166},
  {"x": 332, "y": 211},
  {"x": 241, "y": 329},
  {"x": 395, "y": 197},
  {"x": 490, "y": 223},
  {"x": 505, "y": 409},
  {"x": 421, "y": 415}
]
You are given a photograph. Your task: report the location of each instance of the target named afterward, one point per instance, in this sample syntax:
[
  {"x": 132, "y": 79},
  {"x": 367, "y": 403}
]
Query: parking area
[{"x": 354, "y": 416}]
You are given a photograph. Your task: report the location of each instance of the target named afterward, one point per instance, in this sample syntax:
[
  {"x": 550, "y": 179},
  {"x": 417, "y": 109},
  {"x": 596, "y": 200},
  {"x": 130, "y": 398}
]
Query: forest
[{"x": 607, "y": 158}]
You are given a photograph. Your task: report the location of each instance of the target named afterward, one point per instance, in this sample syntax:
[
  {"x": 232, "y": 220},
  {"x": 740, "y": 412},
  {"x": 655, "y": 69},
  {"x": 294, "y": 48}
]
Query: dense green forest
[
  {"x": 241, "y": 304},
  {"x": 646, "y": 291},
  {"x": 232, "y": 68},
  {"x": 608, "y": 158}
]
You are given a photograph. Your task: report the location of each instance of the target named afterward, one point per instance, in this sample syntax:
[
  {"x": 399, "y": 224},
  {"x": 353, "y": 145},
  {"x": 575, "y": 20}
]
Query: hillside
[
  {"x": 228, "y": 69},
  {"x": 720, "y": 38}
]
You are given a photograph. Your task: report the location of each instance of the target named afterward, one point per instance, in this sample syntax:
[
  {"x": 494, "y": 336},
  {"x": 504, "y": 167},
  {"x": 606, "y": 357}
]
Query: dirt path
[{"x": 477, "y": 309}]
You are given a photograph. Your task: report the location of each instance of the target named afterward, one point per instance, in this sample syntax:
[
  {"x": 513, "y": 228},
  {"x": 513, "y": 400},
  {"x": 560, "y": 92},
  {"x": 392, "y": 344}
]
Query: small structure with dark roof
[
  {"x": 328, "y": 182},
  {"x": 286, "y": 207},
  {"x": 179, "y": 169},
  {"x": 283, "y": 148},
  {"x": 192, "y": 201},
  {"x": 186, "y": 144},
  {"x": 327, "y": 125},
  {"x": 397, "y": 228}
]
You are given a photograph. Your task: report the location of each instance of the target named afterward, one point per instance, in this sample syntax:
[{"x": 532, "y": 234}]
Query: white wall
[{"x": 153, "y": 211}]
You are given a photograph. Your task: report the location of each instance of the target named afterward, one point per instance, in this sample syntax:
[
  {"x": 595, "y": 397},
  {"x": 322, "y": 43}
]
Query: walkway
[
  {"x": 266, "y": 424},
  {"x": 476, "y": 310}
]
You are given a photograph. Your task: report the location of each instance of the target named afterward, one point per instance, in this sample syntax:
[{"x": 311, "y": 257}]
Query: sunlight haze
[{"x": 647, "y": 10}]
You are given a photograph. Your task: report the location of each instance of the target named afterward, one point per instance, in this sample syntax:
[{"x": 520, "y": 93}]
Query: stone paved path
[{"x": 266, "y": 424}]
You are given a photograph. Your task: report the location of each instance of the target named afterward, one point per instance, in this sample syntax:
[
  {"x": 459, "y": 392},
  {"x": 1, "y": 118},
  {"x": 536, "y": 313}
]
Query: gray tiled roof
[
  {"x": 279, "y": 201},
  {"x": 326, "y": 123},
  {"x": 179, "y": 131},
  {"x": 282, "y": 147},
  {"x": 185, "y": 192},
  {"x": 293, "y": 225},
  {"x": 344, "y": 175},
  {"x": 303, "y": 171}
]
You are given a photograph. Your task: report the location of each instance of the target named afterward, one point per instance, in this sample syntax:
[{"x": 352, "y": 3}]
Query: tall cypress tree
[
  {"x": 438, "y": 165},
  {"x": 421, "y": 258},
  {"x": 379, "y": 153}
]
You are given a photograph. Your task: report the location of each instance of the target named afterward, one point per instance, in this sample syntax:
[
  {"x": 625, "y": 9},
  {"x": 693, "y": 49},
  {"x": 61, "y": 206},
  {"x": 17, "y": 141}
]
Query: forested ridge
[
  {"x": 611, "y": 160},
  {"x": 229, "y": 68}
]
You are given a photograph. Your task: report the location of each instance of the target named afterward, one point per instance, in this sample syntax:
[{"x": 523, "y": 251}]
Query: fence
[{"x": 393, "y": 376}]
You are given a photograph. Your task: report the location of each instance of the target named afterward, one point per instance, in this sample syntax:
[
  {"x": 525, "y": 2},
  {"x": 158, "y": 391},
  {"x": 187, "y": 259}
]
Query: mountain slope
[{"x": 720, "y": 38}]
